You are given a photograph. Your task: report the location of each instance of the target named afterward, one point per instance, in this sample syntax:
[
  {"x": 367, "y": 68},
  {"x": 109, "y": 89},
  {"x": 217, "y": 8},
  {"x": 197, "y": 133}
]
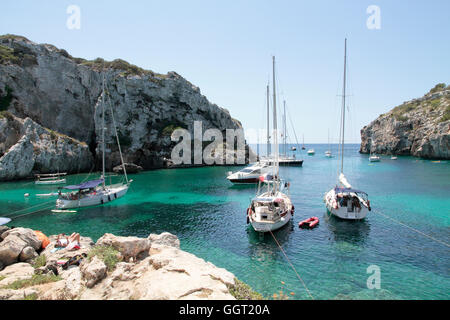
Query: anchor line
[
  {"x": 36, "y": 205},
  {"x": 418, "y": 231},
  {"x": 292, "y": 266}
]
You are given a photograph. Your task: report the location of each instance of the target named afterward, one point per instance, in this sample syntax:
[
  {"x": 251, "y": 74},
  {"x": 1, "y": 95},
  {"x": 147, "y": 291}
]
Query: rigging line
[
  {"x": 418, "y": 231},
  {"x": 292, "y": 266},
  {"x": 36, "y": 205},
  {"x": 25, "y": 214}
]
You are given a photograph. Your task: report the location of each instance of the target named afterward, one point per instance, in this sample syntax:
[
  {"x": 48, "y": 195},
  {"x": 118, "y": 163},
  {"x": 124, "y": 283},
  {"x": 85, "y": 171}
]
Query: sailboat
[
  {"x": 271, "y": 209},
  {"x": 284, "y": 159},
  {"x": 343, "y": 201},
  {"x": 373, "y": 157},
  {"x": 328, "y": 152},
  {"x": 50, "y": 178},
  {"x": 95, "y": 192}
]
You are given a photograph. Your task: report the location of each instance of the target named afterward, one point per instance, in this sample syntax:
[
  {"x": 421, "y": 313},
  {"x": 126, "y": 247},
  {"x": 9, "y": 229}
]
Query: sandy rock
[
  {"x": 165, "y": 238},
  {"x": 3, "y": 229},
  {"x": 27, "y": 254},
  {"x": 93, "y": 271},
  {"x": 17, "y": 271},
  {"x": 129, "y": 247},
  {"x": 73, "y": 282},
  {"x": 25, "y": 234},
  {"x": 9, "y": 294},
  {"x": 10, "y": 249}
]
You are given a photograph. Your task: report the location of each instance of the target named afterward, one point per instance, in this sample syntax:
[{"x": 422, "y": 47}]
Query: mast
[
  {"x": 284, "y": 126},
  {"x": 343, "y": 107},
  {"x": 275, "y": 129},
  {"x": 268, "y": 123},
  {"x": 103, "y": 130}
]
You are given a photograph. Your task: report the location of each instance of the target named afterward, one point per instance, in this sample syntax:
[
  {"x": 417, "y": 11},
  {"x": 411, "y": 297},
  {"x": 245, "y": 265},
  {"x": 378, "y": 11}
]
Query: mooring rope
[
  {"x": 36, "y": 205},
  {"x": 418, "y": 231},
  {"x": 25, "y": 214},
  {"x": 292, "y": 266}
]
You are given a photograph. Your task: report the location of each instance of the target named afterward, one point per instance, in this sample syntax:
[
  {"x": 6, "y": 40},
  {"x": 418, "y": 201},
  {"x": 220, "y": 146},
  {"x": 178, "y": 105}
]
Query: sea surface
[{"x": 208, "y": 214}]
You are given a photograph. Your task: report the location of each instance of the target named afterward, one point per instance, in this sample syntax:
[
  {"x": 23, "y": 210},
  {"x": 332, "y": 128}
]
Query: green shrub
[
  {"x": 435, "y": 103},
  {"x": 242, "y": 291},
  {"x": 446, "y": 115},
  {"x": 32, "y": 296},
  {"x": 36, "y": 279},
  {"x": 107, "y": 254},
  {"x": 40, "y": 261},
  {"x": 438, "y": 87},
  {"x": 2, "y": 277}
]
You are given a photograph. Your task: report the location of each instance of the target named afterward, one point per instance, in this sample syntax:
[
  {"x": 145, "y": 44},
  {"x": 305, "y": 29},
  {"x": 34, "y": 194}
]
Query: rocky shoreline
[
  {"x": 113, "y": 268},
  {"x": 419, "y": 127}
]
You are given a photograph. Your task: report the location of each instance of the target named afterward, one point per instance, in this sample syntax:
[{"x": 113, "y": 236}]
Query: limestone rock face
[
  {"x": 27, "y": 254},
  {"x": 39, "y": 149},
  {"x": 14, "y": 242},
  {"x": 420, "y": 127},
  {"x": 165, "y": 238},
  {"x": 62, "y": 93},
  {"x": 129, "y": 247},
  {"x": 93, "y": 271}
]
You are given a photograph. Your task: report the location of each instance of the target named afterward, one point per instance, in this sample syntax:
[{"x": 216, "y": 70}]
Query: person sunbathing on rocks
[{"x": 70, "y": 243}]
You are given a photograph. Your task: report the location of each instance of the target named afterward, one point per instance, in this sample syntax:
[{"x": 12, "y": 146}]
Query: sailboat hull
[
  {"x": 110, "y": 193},
  {"x": 344, "y": 212}
]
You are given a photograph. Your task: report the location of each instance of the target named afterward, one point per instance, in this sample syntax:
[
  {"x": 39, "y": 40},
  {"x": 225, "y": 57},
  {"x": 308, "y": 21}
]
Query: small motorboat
[
  {"x": 309, "y": 223},
  {"x": 393, "y": 158},
  {"x": 311, "y": 152},
  {"x": 249, "y": 174}
]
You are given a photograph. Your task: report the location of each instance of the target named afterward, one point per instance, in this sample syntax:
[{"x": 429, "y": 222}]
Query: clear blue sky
[{"x": 225, "y": 48}]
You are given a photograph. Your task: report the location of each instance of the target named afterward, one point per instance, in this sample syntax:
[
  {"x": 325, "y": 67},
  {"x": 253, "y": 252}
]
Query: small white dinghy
[
  {"x": 4, "y": 220},
  {"x": 63, "y": 211}
]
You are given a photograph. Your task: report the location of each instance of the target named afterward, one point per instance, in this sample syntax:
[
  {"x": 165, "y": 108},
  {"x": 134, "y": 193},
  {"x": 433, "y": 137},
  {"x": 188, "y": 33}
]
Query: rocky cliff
[
  {"x": 419, "y": 127},
  {"x": 113, "y": 268},
  {"x": 61, "y": 93}
]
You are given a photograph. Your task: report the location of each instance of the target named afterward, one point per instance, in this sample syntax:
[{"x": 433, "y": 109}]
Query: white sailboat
[
  {"x": 311, "y": 152},
  {"x": 328, "y": 152},
  {"x": 96, "y": 192},
  {"x": 343, "y": 201},
  {"x": 50, "y": 178},
  {"x": 271, "y": 209}
]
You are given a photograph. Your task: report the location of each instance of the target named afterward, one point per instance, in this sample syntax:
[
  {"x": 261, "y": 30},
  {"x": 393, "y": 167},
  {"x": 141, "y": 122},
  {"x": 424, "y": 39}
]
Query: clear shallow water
[{"x": 207, "y": 213}]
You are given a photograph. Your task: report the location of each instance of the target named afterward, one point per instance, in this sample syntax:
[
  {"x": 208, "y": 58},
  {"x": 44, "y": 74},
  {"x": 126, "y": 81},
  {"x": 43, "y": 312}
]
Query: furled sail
[{"x": 343, "y": 180}]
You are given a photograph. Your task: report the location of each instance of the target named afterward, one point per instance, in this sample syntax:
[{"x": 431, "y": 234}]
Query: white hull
[
  {"x": 266, "y": 227},
  {"x": 272, "y": 222},
  {"x": 347, "y": 213},
  {"x": 59, "y": 181},
  {"x": 374, "y": 159},
  {"x": 101, "y": 197}
]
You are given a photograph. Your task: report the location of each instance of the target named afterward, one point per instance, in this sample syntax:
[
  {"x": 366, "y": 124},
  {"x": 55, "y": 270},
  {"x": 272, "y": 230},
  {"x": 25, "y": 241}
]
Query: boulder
[
  {"x": 165, "y": 238},
  {"x": 129, "y": 247},
  {"x": 27, "y": 254},
  {"x": 93, "y": 271},
  {"x": 130, "y": 167},
  {"x": 17, "y": 271},
  {"x": 3, "y": 229},
  {"x": 25, "y": 234},
  {"x": 10, "y": 249}
]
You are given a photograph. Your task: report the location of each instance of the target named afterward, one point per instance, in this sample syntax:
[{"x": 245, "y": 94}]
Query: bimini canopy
[
  {"x": 347, "y": 190},
  {"x": 85, "y": 185}
]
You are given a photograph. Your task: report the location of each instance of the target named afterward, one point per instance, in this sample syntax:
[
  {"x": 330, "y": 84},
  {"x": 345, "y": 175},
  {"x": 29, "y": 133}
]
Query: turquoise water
[{"x": 207, "y": 213}]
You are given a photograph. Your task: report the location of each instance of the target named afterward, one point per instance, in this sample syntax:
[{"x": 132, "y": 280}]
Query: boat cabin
[{"x": 352, "y": 199}]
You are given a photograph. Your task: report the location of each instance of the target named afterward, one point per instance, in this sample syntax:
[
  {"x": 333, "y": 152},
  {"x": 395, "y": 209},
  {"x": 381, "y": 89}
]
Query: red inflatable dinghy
[{"x": 309, "y": 223}]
